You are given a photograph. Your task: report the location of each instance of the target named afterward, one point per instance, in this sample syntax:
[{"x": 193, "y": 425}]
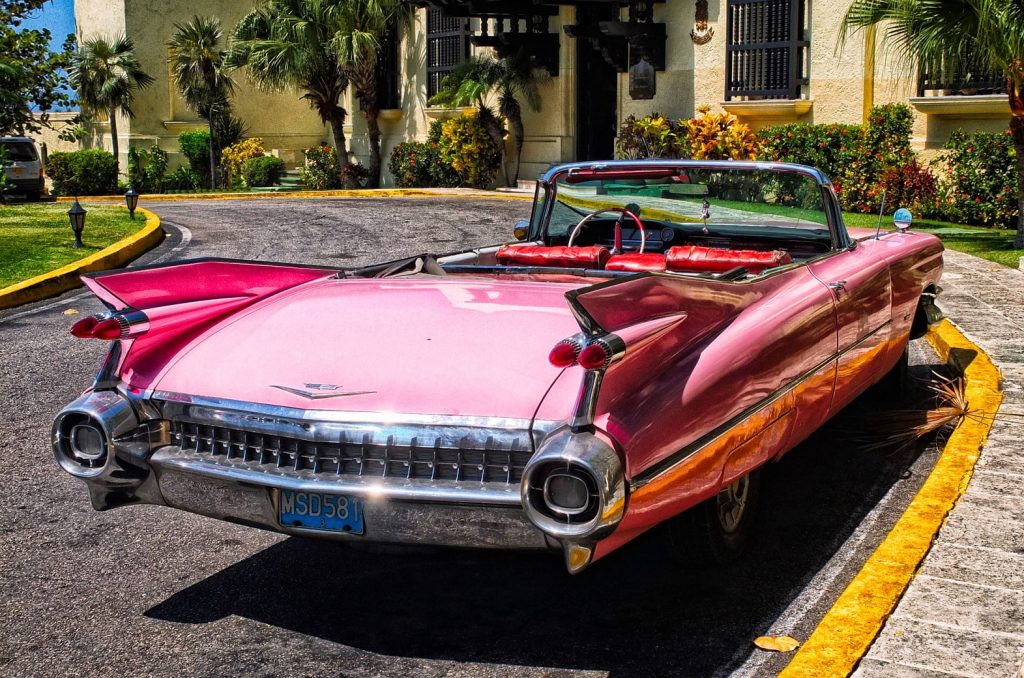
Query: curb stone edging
[
  {"x": 55, "y": 282},
  {"x": 848, "y": 629}
]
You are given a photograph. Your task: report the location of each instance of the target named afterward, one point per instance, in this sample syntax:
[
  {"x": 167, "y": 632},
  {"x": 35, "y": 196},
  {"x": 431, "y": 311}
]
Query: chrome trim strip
[
  {"x": 388, "y": 418},
  {"x": 437, "y": 491},
  {"x": 676, "y": 458}
]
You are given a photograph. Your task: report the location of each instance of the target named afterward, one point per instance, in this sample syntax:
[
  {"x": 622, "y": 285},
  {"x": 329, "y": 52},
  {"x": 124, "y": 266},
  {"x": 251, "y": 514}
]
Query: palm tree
[
  {"x": 510, "y": 79},
  {"x": 286, "y": 43},
  {"x": 197, "y": 66},
  {"x": 106, "y": 74},
  {"x": 984, "y": 32},
  {"x": 364, "y": 24}
]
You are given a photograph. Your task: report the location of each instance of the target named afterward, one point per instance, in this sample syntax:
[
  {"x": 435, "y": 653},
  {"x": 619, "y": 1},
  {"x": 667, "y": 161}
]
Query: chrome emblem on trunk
[{"x": 319, "y": 391}]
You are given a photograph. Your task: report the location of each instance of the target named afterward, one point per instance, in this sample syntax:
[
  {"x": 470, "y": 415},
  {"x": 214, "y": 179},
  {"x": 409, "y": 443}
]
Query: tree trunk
[
  {"x": 373, "y": 131},
  {"x": 1017, "y": 133},
  {"x": 213, "y": 172},
  {"x": 337, "y": 121},
  {"x": 114, "y": 145},
  {"x": 518, "y": 137},
  {"x": 493, "y": 126}
]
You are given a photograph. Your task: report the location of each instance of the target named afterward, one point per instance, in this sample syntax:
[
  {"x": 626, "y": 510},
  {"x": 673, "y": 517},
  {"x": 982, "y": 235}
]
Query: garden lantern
[
  {"x": 131, "y": 199},
  {"x": 77, "y": 217}
]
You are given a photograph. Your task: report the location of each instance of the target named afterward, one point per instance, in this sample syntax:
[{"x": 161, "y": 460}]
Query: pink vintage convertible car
[{"x": 661, "y": 330}]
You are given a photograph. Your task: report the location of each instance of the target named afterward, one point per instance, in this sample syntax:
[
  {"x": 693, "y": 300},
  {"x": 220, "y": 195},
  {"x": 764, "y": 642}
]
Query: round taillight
[
  {"x": 107, "y": 329},
  {"x": 84, "y": 327},
  {"x": 564, "y": 354},
  {"x": 595, "y": 356}
]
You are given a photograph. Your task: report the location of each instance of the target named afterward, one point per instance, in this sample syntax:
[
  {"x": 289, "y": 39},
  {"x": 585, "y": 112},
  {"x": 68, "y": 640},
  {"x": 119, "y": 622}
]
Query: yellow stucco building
[{"x": 766, "y": 61}]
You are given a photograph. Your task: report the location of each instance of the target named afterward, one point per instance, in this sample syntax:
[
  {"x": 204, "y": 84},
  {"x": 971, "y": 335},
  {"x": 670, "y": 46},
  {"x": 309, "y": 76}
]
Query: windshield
[
  {"x": 20, "y": 151},
  {"x": 756, "y": 203}
]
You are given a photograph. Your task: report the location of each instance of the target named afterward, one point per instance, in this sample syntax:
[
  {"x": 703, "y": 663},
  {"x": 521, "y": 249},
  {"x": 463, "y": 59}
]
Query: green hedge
[
  {"x": 89, "y": 172},
  {"x": 265, "y": 170},
  {"x": 979, "y": 180}
]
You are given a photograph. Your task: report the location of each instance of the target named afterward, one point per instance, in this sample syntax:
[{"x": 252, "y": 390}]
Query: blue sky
[{"x": 58, "y": 16}]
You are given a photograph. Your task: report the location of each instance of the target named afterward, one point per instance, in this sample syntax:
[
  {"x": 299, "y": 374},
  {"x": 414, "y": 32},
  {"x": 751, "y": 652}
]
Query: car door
[{"x": 860, "y": 283}]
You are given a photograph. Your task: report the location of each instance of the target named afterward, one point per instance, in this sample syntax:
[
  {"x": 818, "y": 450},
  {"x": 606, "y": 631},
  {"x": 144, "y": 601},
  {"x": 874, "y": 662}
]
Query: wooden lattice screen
[
  {"x": 447, "y": 46},
  {"x": 766, "y": 49}
]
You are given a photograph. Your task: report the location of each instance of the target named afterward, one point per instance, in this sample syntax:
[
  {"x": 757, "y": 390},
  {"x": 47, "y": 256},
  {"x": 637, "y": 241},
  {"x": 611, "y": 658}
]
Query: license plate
[{"x": 319, "y": 511}]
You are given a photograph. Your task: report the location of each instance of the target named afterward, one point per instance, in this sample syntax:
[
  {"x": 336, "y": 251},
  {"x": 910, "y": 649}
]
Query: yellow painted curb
[
  {"x": 847, "y": 630},
  {"x": 343, "y": 193},
  {"x": 66, "y": 278}
]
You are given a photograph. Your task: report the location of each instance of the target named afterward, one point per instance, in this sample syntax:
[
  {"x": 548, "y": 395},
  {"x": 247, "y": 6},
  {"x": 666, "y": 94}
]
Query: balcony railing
[
  {"x": 949, "y": 76},
  {"x": 766, "y": 50}
]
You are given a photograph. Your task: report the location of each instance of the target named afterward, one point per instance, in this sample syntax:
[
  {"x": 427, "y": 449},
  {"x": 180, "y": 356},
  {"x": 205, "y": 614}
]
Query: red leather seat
[
  {"x": 648, "y": 261},
  {"x": 561, "y": 256},
  {"x": 695, "y": 258}
]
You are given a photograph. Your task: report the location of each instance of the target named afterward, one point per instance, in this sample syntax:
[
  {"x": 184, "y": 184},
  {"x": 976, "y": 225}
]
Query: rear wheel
[
  {"x": 896, "y": 382},
  {"x": 718, "y": 530}
]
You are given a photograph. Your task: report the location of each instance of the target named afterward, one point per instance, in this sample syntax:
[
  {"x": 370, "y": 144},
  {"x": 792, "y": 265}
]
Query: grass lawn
[
  {"x": 994, "y": 244},
  {"x": 36, "y": 238}
]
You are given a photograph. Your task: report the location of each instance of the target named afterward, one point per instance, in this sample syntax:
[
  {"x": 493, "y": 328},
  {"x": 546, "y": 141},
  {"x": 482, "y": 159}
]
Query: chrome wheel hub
[{"x": 731, "y": 503}]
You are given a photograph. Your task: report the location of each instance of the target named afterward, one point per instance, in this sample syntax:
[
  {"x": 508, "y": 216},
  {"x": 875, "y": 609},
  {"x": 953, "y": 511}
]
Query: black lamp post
[
  {"x": 77, "y": 217},
  {"x": 131, "y": 198}
]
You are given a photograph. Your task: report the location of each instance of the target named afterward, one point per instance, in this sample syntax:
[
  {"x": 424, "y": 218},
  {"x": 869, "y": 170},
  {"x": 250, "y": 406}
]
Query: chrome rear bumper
[
  {"x": 406, "y": 513},
  {"x": 143, "y": 463}
]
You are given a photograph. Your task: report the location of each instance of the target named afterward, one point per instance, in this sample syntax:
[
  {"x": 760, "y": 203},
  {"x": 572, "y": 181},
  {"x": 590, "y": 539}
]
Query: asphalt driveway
[{"x": 146, "y": 590}]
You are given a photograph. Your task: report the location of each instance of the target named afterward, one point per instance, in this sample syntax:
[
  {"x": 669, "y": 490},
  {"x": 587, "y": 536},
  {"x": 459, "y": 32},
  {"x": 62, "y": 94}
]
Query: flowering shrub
[
  {"x": 354, "y": 175},
  {"x": 910, "y": 185},
  {"x": 467, "y": 147},
  {"x": 321, "y": 169},
  {"x": 979, "y": 182},
  {"x": 653, "y": 136},
  {"x": 862, "y": 161},
  {"x": 410, "y": 164},
  {"x": 234, "y": 156},
  {"x": 719, "y": 136},
  {"x": 708, "y": 136}
]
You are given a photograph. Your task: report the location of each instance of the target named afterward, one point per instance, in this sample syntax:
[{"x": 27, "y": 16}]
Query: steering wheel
[{"x": 617, "y": 248}]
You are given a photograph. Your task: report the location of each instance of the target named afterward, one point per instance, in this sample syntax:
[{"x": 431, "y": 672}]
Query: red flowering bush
[
  {"x": 910, "y": 185},
  {"x": 415, "y": 164},
  {"x": 410, "y": 163},
  {"x": 862, "y": 161},
  {"x": 979, "y": 181},
  {"x": 321, "y": 169}
]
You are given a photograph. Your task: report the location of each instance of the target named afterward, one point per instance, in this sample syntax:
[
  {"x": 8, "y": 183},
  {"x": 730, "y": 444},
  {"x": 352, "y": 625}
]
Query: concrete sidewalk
[{"x": 963, "y": 614}]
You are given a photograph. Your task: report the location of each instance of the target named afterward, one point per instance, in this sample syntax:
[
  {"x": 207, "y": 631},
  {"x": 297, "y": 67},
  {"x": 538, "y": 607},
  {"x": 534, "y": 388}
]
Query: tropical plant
[
  {"x": 31, "y": 75},
  {"x": 287, "y": 43},
  {"x": 364, "y": 24},
  {"x": 146, "y": 168},
  {"x": 719, "y": 136},
  {"x": 410, "y": 164},
  {"x": 468, "y": 148},
  {"x": 106, "y": 74},
  {"x": 183, "y": 179},
  {"x": 983, "y": 32},
  {"x": 233, "y": 157},
  {"x": 652, "y": 136},
  {"x": 321, "y": 169},
  {"x": 196, "y": 58},
  {"x": 513, "y": 80}
]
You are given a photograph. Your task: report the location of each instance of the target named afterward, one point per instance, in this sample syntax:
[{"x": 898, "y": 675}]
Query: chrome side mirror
[
  {"x": 521, "y": 230},
  {"x": 902, "y": 219}
]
